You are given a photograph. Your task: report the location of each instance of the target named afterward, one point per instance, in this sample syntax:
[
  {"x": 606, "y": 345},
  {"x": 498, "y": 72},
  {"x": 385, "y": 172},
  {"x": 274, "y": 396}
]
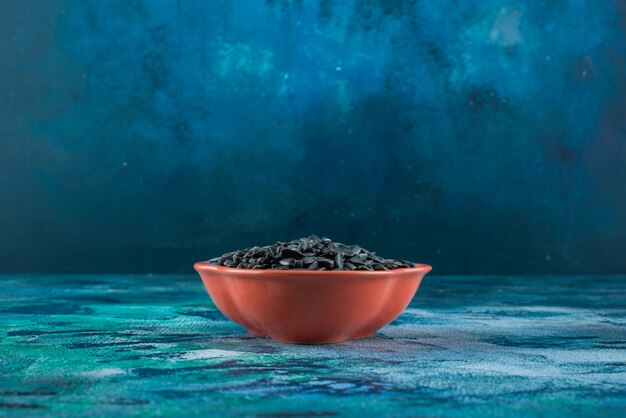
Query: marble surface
[{"x": 466, "y": 346}]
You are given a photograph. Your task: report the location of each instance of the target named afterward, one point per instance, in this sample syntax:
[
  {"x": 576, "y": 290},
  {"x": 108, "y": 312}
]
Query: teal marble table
[{"x": 466, "y": 346}]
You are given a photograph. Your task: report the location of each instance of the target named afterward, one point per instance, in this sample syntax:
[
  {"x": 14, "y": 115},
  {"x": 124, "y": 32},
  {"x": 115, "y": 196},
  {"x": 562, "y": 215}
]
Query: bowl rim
[{"x": 205, "y": 266}]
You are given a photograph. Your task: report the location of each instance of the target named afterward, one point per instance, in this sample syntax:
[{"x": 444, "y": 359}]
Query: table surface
[{"x": 467, "y": 346}]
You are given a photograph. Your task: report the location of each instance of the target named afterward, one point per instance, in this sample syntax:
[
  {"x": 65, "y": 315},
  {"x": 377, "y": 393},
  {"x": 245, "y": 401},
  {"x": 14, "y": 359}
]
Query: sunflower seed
[
  {"x": 287, "y": 261},
  {"x": 357, "y": 260},
  {"x": 289, "y": 252},
  {"x": 324, "y": 262},
  {"x": 353, "y": 250},
  {"x": 339, "y": 260},
  {"x": 376, "y": 258}
]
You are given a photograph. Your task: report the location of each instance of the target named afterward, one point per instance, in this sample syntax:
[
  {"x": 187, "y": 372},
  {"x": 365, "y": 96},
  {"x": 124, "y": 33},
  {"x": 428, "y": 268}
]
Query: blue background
[{"x": 480, "y": 137}]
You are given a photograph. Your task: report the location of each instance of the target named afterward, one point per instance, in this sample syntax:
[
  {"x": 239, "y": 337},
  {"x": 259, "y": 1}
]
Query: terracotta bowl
[{"x": 302, "y": 306}]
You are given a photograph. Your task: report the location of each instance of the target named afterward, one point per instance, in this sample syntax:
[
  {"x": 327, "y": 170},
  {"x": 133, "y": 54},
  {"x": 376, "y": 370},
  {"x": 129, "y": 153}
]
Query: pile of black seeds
[{"x": 311, "y": 253}]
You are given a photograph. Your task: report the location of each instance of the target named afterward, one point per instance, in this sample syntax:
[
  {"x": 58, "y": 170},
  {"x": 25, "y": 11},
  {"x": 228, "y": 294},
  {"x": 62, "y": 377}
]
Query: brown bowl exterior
[{"x": 302, "y": 306}]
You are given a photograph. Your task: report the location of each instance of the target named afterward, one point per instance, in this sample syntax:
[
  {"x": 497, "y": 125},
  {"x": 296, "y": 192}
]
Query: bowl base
[{"x": 332, "y": 340}]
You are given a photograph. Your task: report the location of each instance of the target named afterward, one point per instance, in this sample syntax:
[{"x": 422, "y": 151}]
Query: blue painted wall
[{"x": 477, "y": 136}]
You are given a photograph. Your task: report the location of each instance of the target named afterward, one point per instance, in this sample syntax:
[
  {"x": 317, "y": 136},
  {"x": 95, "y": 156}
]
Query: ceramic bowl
[{"x": 302, "y": 306}]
